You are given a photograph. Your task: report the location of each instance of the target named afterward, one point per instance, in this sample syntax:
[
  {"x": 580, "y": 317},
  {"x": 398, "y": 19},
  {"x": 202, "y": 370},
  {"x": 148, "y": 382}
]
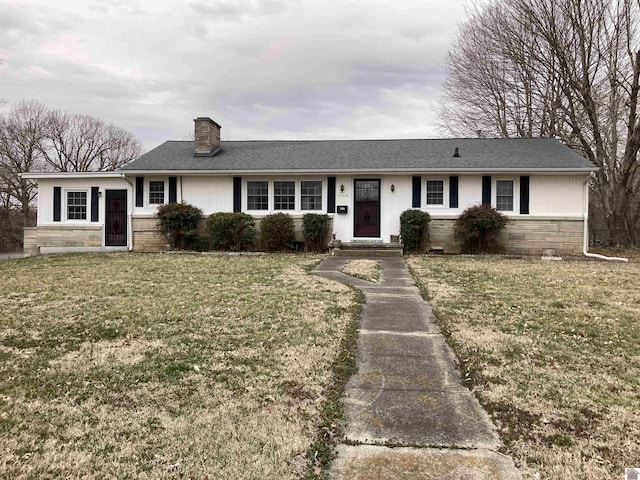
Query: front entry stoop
[
  {"x": 407, "y": 393},
  {"x": 368, "y": 249}
]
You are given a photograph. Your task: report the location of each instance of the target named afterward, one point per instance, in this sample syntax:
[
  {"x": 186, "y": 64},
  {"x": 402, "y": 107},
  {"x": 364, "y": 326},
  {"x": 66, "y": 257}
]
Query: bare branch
[{"x": 564, "y": 68}]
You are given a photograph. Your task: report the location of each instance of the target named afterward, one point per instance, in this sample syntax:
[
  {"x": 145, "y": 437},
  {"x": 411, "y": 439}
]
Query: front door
[
  {"x": 115, "y": 221},
  {"x": 367, "y": 209}
]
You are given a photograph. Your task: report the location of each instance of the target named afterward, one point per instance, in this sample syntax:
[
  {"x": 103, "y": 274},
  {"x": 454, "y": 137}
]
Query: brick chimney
[{"x": 207, "y": 136}]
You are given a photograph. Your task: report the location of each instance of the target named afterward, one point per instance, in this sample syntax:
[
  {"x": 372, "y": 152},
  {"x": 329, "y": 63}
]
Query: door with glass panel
[
  {"x": 115, "y": 222},
  {"x": 367, "y": 208}
]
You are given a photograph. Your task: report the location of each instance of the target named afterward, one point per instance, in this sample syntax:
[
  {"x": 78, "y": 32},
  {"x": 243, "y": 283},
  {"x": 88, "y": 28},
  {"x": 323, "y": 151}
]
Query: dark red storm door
[
  {"x": 115, "y": 222},
  {"x": 367, "y": 209}
]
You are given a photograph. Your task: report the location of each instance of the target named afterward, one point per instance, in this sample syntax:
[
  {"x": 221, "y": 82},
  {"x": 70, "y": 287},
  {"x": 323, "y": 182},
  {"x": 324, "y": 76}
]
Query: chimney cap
[{"x": 456, "y": 153}]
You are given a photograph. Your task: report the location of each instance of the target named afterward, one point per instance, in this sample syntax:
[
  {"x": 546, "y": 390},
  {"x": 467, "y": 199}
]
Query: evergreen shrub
[
  {"x": 231, "y": 231},
  {"x": 478, "y": 228}
]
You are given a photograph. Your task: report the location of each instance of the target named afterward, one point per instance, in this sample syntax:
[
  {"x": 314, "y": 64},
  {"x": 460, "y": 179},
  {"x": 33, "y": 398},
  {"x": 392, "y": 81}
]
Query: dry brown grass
[
  {"x": 164, "y": 366},
  {"x": 363, "y": 268},
  {"x": 552, "y": 351}
]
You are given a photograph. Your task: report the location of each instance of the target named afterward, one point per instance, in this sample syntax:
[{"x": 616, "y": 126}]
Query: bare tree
[
  {"x": 34, "y": 138},
  {"x": 565, "y": 68},
  {"x": 81, "y": 143},
  {"x": 22, "y": 133}
]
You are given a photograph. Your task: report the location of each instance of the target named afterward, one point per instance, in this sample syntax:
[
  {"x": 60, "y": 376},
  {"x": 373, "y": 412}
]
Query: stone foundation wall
[
  {"x": 297, "y": 225},
  {"x": 521, "y": 236},
  {"x": 61, "y": 236},
  {"x": 146, "y": 236}
]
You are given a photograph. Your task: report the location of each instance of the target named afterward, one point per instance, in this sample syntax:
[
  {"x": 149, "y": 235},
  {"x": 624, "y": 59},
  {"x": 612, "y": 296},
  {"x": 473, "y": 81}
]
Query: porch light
[
  {"x": 393, "y": 188},
  {"x": 342, "y": 187}
]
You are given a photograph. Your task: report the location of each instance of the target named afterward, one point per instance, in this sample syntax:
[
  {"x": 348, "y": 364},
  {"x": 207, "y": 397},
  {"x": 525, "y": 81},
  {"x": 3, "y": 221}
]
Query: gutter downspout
[
  {"x": 130, "y": 217},
  {"x": 585, "y": 244}
]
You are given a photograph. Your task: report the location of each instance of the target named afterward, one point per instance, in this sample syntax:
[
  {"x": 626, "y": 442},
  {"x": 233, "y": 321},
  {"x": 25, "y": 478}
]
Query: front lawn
[
  {"x": 552, "y": 350},
  {"x": 164, "y": 366}
]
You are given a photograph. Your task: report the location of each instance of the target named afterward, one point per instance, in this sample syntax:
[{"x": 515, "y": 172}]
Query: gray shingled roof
[{"x": 344, "y": 155}]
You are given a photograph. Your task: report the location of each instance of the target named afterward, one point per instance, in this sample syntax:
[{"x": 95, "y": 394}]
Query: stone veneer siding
[
  {"x": 61, "y": 236},
  {"x": 147, "y": 237},
  {"x": 522, "y": 236}
]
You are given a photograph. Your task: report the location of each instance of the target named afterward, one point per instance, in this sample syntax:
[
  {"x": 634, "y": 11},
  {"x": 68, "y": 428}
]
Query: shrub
[
  {"x": 277, "y": 232},
  {"x": 200, "y": 243},
  {"x": 179, "y": 222},
  {"x": 414, "y": 230},
  {"x": 231, "y": 231},
  {"x": 478, "y": 228},
  {"x": 314, "y": 226}
]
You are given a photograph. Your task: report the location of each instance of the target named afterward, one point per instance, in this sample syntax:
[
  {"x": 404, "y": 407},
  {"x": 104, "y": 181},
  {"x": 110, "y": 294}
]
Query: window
[
  {"x": 311, "y": 195},
  {"x": 504, "y": 195},
  {"x": 435, "y": 192},
  {"x": 156, "y": 192},
  {"x": 257, "y": 195},
  {"x": 76, "y": 205},
  {"x": 284, "y": 195}
]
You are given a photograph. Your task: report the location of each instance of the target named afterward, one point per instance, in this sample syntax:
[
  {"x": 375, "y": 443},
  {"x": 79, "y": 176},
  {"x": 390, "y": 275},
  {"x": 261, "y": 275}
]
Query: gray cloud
[{"x": 262, "y": 68}]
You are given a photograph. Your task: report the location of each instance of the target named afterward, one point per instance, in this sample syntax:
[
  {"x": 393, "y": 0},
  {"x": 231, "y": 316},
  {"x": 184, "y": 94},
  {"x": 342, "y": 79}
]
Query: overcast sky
[{"x": 263, "y": 69}]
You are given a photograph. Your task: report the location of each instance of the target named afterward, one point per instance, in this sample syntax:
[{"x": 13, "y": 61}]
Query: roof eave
[
  {"x": 62, "y": 175},
  {"x": 368, "y": 171}
]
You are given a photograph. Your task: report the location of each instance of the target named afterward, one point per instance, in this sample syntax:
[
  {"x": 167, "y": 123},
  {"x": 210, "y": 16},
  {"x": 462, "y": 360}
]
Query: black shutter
[
  {"x": 139, "y": 191},
  {"x": 453, "y": 192},
  {"x": 94, "y": 204},
  {"x": 486, "y": 190},
  {"x": 57, "y": 203},
  {"x": 173, "y": 189},
  {"x": 417, "y": 191},
  {"x": 237, "y": 194},
  {"x": 331, "y": 194},
  {"x": 524, "y": 195}
]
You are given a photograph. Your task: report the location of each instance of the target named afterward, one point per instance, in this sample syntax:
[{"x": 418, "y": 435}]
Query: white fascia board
[
  {"x": 60, "y": 175},
  {"x": 439, "y": 171}
]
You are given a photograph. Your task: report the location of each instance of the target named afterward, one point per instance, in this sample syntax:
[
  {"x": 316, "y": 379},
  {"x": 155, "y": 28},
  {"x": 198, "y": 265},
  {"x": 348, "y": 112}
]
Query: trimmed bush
[
  {"x": 179, "y": 222},
  {"x": 277, "y": 232},
  {"x": 231, "y": 231},
  {"x": 414, "y": 230},
  {"x": 478, "y": 228},
  {"x": 315, "y": 229}
]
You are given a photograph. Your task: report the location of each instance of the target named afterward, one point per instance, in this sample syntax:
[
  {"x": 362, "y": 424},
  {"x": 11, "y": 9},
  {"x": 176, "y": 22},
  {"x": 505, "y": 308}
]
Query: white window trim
[
  {"x": 245, "y": 196},
  {"x": 516, "y": 194},
  {"x": 323, "y": 195},
  {"x": 65, "y": 201},
  {"x": 147, "y": 197},
  {"x": 445, "y": 193},
  {"x": 296, "y": 195}
]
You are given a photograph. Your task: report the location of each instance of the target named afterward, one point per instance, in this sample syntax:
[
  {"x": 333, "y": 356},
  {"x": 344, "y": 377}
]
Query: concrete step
[
  {"x": 372, "y": 245},
  {"x": 368, "y": 252},
  {"x": 368, "y": 249}
]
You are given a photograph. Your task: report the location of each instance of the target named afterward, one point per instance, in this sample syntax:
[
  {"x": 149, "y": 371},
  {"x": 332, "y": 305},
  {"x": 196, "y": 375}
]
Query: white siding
[
  {"x": 45, "y": 197},
  {"x": 210, "y": 194},
  {"x": 392, "y": 204},
  {"x": 560, "y": 195},
  {"x": 550, "y": 196}
]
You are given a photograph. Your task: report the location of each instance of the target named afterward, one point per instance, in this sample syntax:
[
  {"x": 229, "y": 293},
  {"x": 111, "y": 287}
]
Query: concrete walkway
[{"x": 407, "y": 394}]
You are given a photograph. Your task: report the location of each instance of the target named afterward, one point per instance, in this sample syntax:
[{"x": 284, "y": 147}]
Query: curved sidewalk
[{"x": 407, "y": 393}]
